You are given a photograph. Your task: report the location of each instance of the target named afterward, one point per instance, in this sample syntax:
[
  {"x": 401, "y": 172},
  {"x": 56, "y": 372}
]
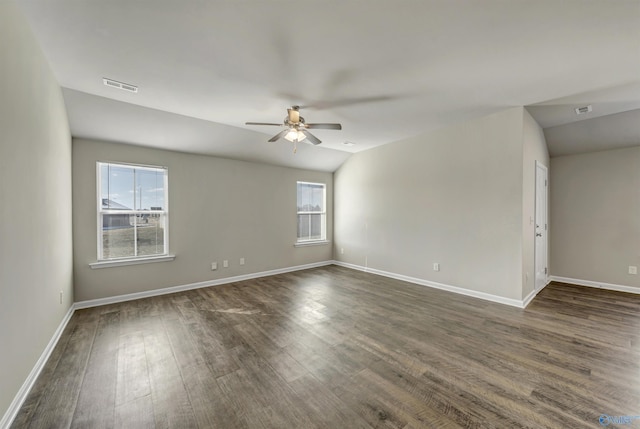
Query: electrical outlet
[
  {"x": 241, "y": 261},
  {"x": 60, "y": 297},
  {"x": 342, "y": 250},
  {"x": 436, "y": 266},
  {"x": 214, "y": 266},
  {"x": 633, "y": 269},
  {"x": 225, "y": 263}
]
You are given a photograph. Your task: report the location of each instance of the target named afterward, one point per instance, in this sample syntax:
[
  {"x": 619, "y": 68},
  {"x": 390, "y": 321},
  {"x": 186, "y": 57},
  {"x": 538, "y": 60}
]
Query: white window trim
[
  {"x": 127, "y": 261},
  {"x": 318, "y": 241},
  {"x": 104, "y": 263},
  {"x": 308, "y": 243}
]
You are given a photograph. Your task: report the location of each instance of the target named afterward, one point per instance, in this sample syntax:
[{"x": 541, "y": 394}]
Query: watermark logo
[{"x": 606, "y": 420}]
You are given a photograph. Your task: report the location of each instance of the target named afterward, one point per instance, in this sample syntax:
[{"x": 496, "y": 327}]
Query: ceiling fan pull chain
[{"x": 295, "y": 147}]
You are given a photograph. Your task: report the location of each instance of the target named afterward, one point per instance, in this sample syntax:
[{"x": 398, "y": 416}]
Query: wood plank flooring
[{"x": 336, "y": 348}]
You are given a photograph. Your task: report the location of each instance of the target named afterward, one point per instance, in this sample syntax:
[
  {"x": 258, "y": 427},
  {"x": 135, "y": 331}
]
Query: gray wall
[
  {"x": 454, "y": 196},
  {"x": 219, "y": 209},
  {"x": 534, "y": 149},
  {"x": 35, "y": 204},
  {"x": 595, "y": 201}
]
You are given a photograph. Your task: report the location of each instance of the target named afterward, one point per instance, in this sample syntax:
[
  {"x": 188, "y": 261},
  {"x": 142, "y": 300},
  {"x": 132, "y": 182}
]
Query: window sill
[
  {"x": 311, "y": 243},
  {"x": 136, "y": 261}
]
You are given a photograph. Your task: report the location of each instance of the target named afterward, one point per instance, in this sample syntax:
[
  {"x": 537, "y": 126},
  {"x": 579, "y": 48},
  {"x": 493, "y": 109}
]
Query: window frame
[
  {"x": 137, "y": 213},
  {"x": 323, "y": 213}
]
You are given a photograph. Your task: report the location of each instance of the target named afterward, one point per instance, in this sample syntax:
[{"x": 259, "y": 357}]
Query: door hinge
[
  {"x": 545, "y": 182},
  {"x": 545, "y": 226},
  {"x": 545, "y": 270}
]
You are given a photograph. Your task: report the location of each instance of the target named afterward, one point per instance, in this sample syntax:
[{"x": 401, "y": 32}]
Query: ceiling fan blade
[
  {"x": 323, "y": 126},
  {"x": 261, "y": 123},
  {"x": 313, "y": 139},
  {"x": 279, "y": 135}
]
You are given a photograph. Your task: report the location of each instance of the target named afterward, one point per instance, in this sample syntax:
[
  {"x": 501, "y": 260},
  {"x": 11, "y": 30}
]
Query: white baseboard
[
  {"x": 173, "y": 289},
  {"x": 530, "y": 297},
  {"x": 599, "y": 285},
  {"x": 20, "y": 397},
  {"x": 455, "y": 289},
  {"x": 534, "y": 293}
]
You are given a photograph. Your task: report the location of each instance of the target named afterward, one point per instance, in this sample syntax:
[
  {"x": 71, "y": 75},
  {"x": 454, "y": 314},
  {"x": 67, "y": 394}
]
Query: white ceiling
[
  {"x": 106, "y": 119},
  {"x": 385, "y": 69},
  {"x": 600, "y": 133}
]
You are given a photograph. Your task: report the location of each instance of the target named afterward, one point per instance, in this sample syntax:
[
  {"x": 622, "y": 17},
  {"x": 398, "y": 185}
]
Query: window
[
  {"x": 132, "y": 211},
  {"x": 312, "y": 215}
]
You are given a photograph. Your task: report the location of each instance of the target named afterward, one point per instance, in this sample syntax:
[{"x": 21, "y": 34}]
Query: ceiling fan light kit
[
  {"x": 296, "y": 128},
  {"x": 295, "y": 136}
]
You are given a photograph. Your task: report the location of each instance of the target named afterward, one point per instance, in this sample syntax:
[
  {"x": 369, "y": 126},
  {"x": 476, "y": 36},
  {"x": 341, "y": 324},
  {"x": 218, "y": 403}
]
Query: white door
[{"x": 541, "y": 226}]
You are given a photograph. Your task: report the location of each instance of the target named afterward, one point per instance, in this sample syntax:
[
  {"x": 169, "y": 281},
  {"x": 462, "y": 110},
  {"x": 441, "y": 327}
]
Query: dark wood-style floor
[{"x": 336, "y": 348}]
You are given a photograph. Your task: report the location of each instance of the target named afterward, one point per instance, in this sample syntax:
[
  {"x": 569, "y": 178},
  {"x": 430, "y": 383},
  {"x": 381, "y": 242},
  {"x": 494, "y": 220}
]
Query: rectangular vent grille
[
  {"x": 583, "y": 110},
  {"x": 120, "y": 85}
]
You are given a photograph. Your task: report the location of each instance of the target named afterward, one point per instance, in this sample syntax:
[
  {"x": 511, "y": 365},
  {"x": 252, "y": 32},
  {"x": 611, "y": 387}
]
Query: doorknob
[{"x": 538, "y": 234}]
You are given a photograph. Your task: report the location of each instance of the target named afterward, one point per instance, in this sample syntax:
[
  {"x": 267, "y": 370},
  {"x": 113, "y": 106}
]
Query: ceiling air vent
[
  {"x": 120, "y": 85},
  {"x": 583, "y": 110}
]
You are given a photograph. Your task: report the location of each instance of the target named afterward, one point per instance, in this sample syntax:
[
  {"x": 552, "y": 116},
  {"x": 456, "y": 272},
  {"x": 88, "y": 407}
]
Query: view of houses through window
[
  {"x": 132, "y": 211},
  {"x": 312, "y": 216}
]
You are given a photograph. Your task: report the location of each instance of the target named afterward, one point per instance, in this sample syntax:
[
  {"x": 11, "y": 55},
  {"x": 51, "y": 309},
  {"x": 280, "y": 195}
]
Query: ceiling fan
[{"x": 295, "y": 128}]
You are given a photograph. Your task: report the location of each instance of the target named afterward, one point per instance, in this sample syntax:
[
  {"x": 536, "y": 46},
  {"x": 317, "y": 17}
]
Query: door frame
[{"x": 539, "y": 166}]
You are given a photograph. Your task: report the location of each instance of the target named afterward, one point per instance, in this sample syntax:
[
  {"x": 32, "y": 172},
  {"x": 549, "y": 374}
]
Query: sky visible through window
[{"x": 132, "y": 187}]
